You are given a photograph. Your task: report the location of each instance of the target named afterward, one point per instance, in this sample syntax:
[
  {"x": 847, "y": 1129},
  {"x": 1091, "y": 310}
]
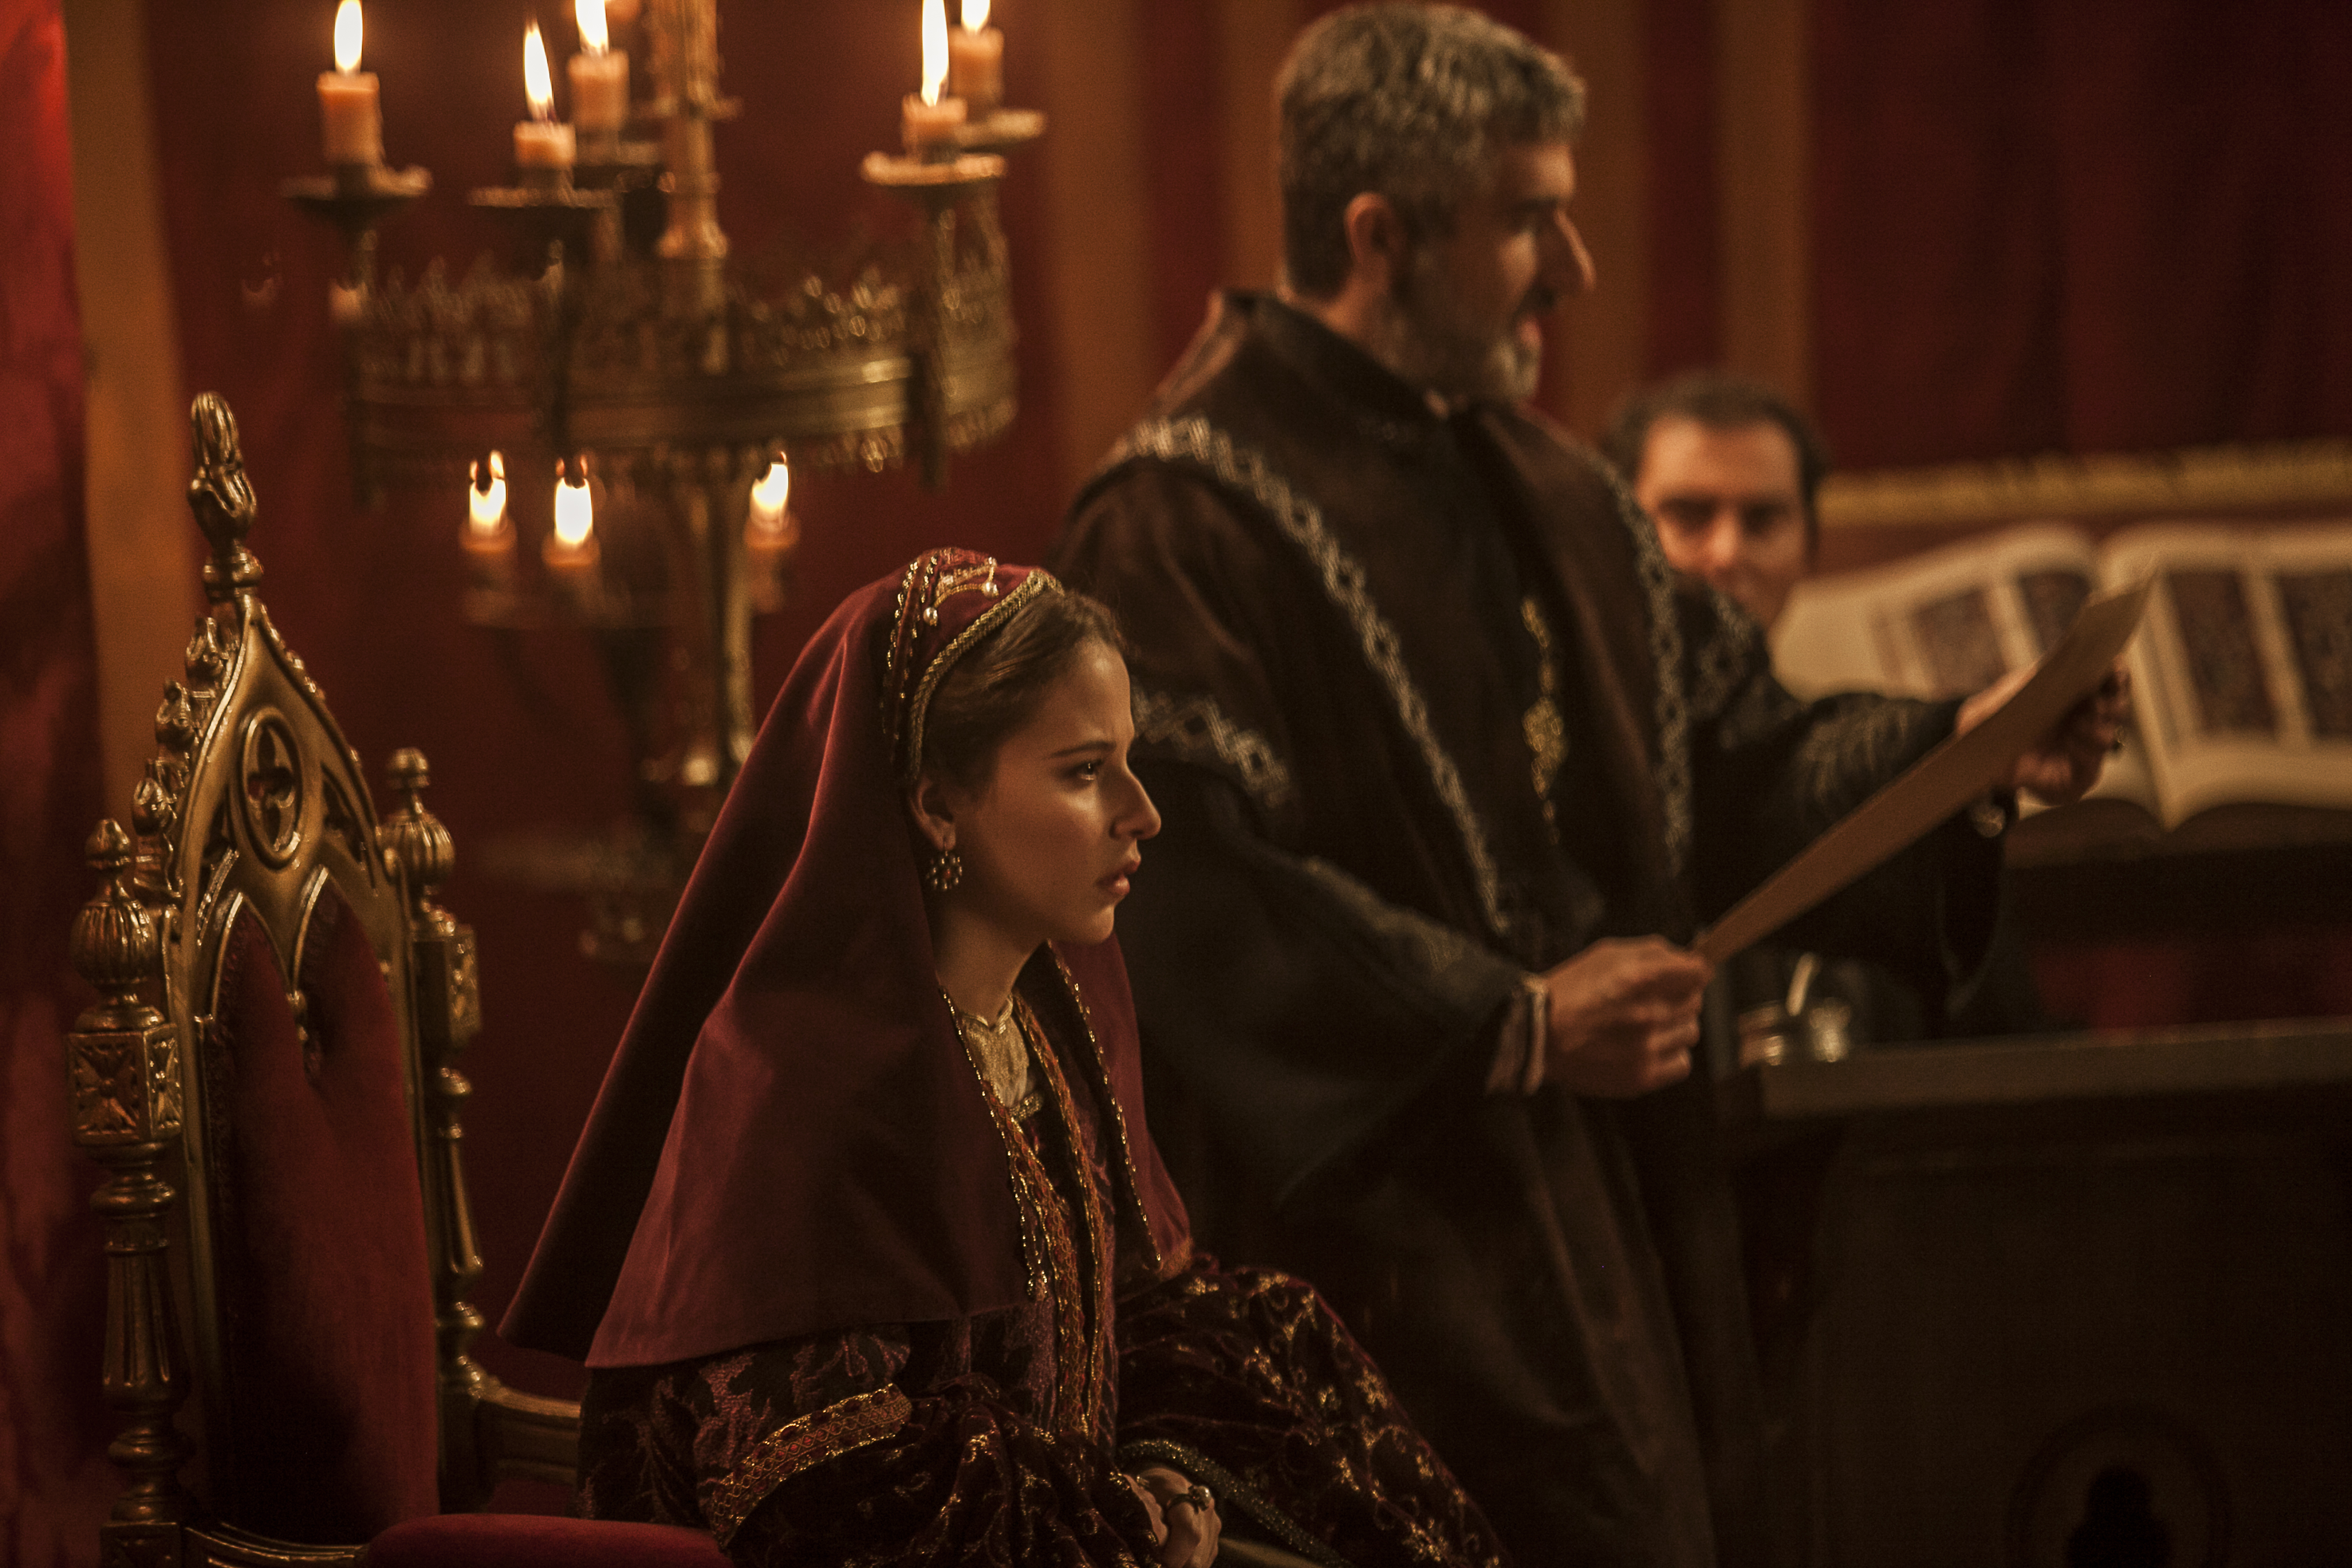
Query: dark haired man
[
  {"x": 1450, "y": 771},
  {"x": 1732, "y": 474}
]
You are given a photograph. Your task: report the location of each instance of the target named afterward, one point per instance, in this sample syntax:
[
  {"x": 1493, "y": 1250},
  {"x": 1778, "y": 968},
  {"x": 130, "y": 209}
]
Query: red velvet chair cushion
[
  {"x": 540, "y": 1541},
  {"x": 327, "y": 1430}
]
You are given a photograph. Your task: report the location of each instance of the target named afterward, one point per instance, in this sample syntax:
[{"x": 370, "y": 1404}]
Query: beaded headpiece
[{"x": 948, "y": 600}]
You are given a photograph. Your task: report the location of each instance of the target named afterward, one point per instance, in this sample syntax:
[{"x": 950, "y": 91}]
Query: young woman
[{"x": 865, "y": 1243}]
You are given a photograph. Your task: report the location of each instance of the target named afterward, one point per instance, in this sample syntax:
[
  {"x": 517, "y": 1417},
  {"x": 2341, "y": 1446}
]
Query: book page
[
  {"x": 1944, "y": 623},
  {"x": 2244, "y": 672}
]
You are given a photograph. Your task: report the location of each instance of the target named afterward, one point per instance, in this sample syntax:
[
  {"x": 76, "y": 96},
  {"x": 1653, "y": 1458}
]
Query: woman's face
[{"x": 1049, "y": 841}]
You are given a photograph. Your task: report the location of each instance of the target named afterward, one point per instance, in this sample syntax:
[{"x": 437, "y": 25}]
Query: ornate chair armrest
[{"x": 524, "y": 1435}]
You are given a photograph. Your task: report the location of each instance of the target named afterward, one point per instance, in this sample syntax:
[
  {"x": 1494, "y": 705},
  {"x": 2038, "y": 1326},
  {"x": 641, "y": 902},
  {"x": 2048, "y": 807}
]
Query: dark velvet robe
[
  {"x": 1424, "y": 710},
  {"x": 1000, "y": 1438}
]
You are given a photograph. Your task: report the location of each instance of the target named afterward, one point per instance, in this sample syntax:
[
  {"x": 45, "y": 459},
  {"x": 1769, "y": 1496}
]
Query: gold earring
[{"x": 945, "y": 871}]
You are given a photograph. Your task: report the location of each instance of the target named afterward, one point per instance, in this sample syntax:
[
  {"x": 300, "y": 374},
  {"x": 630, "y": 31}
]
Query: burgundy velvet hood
[{"x": 791, "y": 1138}]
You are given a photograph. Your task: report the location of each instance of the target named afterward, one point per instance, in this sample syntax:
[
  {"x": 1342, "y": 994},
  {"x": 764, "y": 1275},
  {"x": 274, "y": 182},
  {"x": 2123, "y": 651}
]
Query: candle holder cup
[{"x": 1001, "y": 130}]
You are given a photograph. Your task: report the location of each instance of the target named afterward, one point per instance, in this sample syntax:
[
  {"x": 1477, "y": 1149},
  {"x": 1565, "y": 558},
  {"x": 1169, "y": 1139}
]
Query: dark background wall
[{"x": 2018, "y": 225}]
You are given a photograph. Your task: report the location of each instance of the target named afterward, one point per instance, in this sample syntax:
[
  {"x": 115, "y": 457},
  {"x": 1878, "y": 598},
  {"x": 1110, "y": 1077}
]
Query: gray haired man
[{"x": 1452, "y": 768}]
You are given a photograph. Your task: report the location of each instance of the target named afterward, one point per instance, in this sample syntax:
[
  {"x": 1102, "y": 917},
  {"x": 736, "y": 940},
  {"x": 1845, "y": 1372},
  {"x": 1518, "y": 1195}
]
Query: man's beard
[{"x": 1424, "y": 338}]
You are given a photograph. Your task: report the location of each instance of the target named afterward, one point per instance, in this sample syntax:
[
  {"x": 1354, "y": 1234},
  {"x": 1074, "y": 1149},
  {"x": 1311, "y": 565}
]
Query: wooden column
[
  {"x": 1598, "y": 352},
  {"x": 1099, "y": 259},
  {"x": 1763, "y": 81},
  {"x": 1252, "y": 37},
  {"x": 142, "y": 559}
]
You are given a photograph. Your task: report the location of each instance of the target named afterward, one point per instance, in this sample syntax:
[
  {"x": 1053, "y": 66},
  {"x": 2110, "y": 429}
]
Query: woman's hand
[{"x": 1183, "y": 1516}]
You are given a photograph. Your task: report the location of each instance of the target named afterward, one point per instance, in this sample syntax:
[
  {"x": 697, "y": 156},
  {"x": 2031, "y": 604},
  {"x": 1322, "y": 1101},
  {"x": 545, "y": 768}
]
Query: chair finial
[
  {"x": 222, "y": 498},
  {"x": 113, "y": 945},
  {"x": 426, "y": 850}
]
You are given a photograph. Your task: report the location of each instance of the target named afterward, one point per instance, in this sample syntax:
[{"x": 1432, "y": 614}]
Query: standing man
[{"x": 1451, "y": 772}]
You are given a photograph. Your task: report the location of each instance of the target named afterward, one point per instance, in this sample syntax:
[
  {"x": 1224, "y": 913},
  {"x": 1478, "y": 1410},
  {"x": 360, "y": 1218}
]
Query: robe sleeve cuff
[
  {"x": 1519, "y": 1045},
  {"x": 838, "y": 1429}
]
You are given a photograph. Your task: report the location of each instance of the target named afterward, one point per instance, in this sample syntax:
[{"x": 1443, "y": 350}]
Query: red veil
[{"x": 791, "y": 1138}]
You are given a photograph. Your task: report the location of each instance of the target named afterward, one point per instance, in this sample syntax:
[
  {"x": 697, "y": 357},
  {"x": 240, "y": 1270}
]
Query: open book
[{"x": 2241, "y": 673}]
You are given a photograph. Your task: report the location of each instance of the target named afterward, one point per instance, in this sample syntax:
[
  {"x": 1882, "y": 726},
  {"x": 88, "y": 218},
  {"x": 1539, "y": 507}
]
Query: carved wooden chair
[{"x": 269, "y": 1079}]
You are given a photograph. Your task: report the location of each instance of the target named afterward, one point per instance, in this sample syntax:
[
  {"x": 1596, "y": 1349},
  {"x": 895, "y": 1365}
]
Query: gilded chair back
[{"x": 269, "y": 1078}]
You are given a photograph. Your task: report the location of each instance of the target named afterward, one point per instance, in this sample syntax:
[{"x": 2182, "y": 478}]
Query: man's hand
[
  {"x": 2061, "y": 768},
  {"x": 1183, "y": 1516},
  {"x": 1624, "y": 1016}
]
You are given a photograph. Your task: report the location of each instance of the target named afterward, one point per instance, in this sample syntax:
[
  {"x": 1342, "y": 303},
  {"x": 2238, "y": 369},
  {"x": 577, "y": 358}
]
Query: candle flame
[
  {"x": 575, "y": 514},
  {"x": 347, "y": 36},
  {"x": 595, "y": 37},
  {"x": 536, "y": 83},
  {"x": 975, "y": 15},
  {"x": 769, "y": 493},
  {"x": 935, "y": 48},
  {"x": 486, "y": 503}
]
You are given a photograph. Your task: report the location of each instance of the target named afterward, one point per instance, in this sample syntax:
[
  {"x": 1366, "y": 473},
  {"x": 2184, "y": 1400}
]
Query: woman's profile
[{"x": 866, "y": 1244}]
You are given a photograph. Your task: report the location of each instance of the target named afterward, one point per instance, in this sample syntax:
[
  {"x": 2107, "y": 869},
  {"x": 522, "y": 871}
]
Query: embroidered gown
[{"x": 1000, "y": 1438}]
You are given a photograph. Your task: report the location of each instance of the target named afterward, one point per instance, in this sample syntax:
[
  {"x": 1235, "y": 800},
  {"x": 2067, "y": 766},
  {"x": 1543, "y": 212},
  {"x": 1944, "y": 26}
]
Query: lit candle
[
  {"x": 486, "y": 502},
  {"x": 771, "y": 534},
  {"x": 976, "y": 60},
  {"x": 927, "y": 120},
  {"x": 570, "y": 550},
  {"x": 540, "y": 142},
  {"x": 351, "y": 118},
  {"x": 489, "y": 536},
  {"x": 771, "y": 493},
  {"x": 600, "y": 75}
]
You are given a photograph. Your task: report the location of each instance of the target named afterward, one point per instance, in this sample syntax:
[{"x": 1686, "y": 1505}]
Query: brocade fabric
[{"x": 998, "y": 1438}]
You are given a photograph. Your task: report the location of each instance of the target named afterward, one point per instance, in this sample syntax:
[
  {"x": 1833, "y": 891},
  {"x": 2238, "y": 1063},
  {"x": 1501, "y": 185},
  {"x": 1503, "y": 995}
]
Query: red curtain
[
  {"x": 2080, "y": 225},
  {"x": 55, "y": 1481}
]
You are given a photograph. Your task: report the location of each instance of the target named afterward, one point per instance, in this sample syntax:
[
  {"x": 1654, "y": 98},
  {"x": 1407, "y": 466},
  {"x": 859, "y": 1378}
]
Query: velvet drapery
[
  {"x": 55, "y": 1481},
  {"x": 2079, "y": 225}
]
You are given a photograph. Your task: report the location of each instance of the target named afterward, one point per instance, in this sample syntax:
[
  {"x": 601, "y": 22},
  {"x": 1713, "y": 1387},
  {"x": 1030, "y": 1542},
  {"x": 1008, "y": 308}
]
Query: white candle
[
  {"x": 540, "y": 142},
  {"x": 976, "y": 60},
  {"x": 770, "y": 535},
  {"x": 575, "y": 518},
  {"x": 600, "y": 74},
  {"x": 350, "y": 117},
  {"x": 926, "y": 120},
  {"x": 571, "y": 549},
  {"x": 488, "y": 536},
  {"x": 771, "y": 494},
  {"x": 486, "y": 503}
]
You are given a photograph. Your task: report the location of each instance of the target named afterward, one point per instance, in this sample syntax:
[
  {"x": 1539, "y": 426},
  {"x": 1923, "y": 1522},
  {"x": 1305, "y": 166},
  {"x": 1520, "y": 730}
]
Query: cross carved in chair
[{"x": 273, "y": 786}]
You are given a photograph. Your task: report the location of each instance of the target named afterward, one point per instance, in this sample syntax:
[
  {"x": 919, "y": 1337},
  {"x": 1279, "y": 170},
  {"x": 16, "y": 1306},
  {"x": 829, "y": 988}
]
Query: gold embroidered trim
[
  {"x": 1118, "y": 1118},
  {"x": 1020, "y": 1170},
  {"x": 1196, "y": 442},
  {"x": 918, "y": 709},
  {"x": 828, "y": 1434},
  {"x": 1547, "y": 735},
  {"x": 1082, "y": 1347},
  {"x": 1197, "y": 730}
]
